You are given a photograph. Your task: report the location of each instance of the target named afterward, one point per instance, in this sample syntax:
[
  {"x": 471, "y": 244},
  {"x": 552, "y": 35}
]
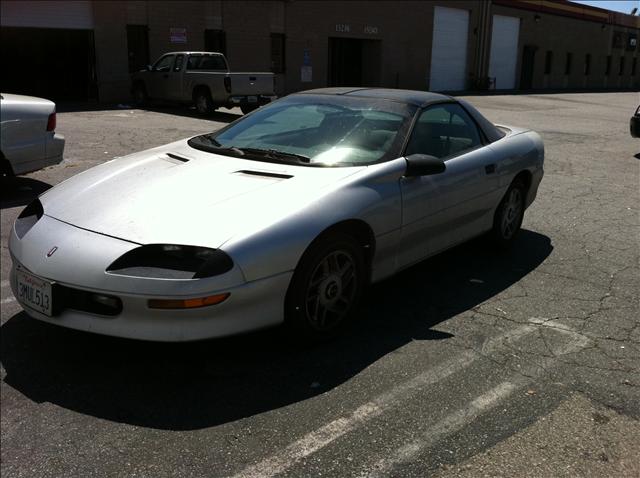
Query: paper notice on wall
[
  {"x": 306, "y": 74},
  {"x": 178, "y": 35}
]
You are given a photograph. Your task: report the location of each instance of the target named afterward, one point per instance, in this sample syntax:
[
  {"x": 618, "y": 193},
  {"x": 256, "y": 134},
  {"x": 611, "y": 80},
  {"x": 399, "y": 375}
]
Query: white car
[
  {"x": 28, "y": 140},
  {"x": 284, "y": 215}
]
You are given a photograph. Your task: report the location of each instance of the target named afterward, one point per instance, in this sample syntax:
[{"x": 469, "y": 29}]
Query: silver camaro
[{"x": 285, "y": 215}]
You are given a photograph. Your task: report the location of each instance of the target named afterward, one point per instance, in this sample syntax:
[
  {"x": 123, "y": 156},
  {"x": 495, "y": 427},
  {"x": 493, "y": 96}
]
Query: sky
[{"x": 624, "y": 6}]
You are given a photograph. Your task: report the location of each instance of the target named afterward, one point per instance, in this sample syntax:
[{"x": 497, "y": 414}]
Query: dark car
[{"x": 634, "y": 124}]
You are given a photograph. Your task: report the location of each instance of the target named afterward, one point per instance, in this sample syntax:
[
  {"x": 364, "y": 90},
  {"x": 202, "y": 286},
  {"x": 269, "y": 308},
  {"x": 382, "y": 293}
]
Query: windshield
[{"x": 328, "y": 130}]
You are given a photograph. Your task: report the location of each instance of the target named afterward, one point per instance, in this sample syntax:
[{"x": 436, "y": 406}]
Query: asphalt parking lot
[{"x": 473, "y": 363}]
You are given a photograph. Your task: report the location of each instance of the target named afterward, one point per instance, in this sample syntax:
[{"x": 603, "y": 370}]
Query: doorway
[
  {"x": 354, "y": 62},
  {"x": 137, "y": 47},
  {"x": 528, "y": 59},
  {"x": 54, "y": 63}
]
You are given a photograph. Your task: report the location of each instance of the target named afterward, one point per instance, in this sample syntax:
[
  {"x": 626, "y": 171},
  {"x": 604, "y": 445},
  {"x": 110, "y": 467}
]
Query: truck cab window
[
  {"x": 164, "y": 63},
  {"x": 177, "y": 65},
  {"x": 206, "y": 62}
]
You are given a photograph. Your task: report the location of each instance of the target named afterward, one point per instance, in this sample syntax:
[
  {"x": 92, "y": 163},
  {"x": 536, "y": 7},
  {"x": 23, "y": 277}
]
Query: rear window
[
  {"x": 491, "y": 132},
  {"x": 206, "y": 62}
]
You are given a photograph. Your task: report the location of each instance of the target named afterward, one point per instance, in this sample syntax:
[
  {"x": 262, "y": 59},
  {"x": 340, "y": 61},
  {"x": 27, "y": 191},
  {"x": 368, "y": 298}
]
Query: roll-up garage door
[
  {"x": 50, "y": 47},
  {"x": 47, "y": 14},
  {"x": 449, "y": 50},
  {"x": 504, "y": 51}
]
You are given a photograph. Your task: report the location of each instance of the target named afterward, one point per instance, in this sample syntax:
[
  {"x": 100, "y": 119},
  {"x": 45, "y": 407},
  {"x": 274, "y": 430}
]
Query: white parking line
[
  {"x": 459, "y": 419},
  {"x": 323, "y": 436},
  {"x": 448, "y": 425}
]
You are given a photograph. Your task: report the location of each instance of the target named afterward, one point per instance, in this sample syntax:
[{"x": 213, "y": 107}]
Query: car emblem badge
[{"x": 52, "y": 251}]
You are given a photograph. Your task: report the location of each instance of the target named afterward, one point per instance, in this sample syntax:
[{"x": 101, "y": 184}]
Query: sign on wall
[
  {"x": 306, "y": 74},
  {"x": 177, "y": 35},
  {"x": 306, "y": 71}
]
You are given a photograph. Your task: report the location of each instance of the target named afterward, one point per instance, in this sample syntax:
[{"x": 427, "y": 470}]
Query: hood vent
[
  {"x": 177, "y": 158},
  {"x": 264, "y": 174}
]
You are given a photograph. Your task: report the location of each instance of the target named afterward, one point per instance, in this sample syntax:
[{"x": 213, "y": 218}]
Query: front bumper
[
  {"x": 251, "y": 306},
  {"x": 79, "y": 263}
]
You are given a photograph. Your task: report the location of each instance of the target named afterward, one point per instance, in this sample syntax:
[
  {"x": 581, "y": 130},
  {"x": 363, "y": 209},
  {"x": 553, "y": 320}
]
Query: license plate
[
  {"x": 34, "y": 292},
  {"x": 252, "y": 99}
]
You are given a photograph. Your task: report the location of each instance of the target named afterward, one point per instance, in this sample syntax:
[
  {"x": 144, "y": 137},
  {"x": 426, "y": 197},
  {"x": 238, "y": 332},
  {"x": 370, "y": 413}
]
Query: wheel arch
[
  {"x": 199, "y": 88},
  {"x": 360, "y": 230},
  {"x": 139, "y": 83},
  {"x": 526, "y": 177}
]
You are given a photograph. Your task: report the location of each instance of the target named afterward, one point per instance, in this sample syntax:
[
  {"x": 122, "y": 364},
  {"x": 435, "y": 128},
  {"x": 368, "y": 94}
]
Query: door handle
[{"x": 490, "y": 168}]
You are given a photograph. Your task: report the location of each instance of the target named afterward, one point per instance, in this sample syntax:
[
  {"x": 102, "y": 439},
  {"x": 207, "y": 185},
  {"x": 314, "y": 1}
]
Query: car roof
[
  {"x": 192, "y": 53},
  {"x": 413, "y": 97}
]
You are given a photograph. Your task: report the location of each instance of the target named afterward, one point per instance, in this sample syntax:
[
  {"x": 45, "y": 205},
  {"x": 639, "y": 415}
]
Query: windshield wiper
[
  {"x": 275, "y": 154},
  {"x": 207, "y": 143},
  {"x": 213, "y": 146}
]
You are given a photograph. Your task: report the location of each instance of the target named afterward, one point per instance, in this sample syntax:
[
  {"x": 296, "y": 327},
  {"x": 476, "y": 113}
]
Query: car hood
[{"x": 175, "y": 194}]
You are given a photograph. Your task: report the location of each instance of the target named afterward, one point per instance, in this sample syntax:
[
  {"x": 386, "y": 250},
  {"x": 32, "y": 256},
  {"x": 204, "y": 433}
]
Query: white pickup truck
[{"x": 201, "y": 78}]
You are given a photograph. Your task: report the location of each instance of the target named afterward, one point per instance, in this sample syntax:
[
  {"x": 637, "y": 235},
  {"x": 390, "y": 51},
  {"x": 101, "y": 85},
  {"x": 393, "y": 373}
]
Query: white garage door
[
  {"x": 504, "y": 51},
  {"x": 47, "y": 14},
  {"x": 449, "y": 51}
]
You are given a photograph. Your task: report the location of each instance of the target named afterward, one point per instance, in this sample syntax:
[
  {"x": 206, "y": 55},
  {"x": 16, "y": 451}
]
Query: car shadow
[
  {"x": 197, "y": 385},
  {"x": 20, "y": 191}
]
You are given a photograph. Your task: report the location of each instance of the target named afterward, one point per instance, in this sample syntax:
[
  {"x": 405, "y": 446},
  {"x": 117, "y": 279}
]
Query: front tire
[
  {"x": 509, "y": 215},
  {"x": 140, "y": 97},
  {"x": 326, "y": 288}
]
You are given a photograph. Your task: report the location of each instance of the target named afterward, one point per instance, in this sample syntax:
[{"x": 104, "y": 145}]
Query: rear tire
[
  {"x": 326, "y": 288},
  {"x": 203, "y": 102},
  {"x": 508, "y": 217},
  {"x": 246, "y": 109}
]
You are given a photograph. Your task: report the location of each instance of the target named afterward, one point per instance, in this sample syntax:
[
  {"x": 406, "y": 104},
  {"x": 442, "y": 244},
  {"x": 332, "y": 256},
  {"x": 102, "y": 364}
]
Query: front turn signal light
[{"x": 188, "y": 303}]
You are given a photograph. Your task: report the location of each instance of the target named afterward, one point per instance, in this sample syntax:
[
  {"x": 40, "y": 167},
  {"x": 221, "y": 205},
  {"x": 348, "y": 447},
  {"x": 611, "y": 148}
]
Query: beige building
[{"x": 79, "y": 50}]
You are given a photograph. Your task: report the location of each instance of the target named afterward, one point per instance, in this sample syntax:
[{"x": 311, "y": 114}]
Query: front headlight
[
  {"x": 170, "y": 261},
  {"x": 28, "y": 218}
]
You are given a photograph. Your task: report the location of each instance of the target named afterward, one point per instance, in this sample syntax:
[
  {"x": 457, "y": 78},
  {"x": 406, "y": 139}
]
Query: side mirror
[
  {"x": 149, "y": 68},
  {"x": 423, "y": 165}
]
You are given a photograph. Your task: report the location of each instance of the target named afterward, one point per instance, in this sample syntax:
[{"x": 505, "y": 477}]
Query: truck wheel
[
  {"x": 140, "y": 95},
  {"x": 246, "y": 109},
  {"x": 203, "y": 102}
]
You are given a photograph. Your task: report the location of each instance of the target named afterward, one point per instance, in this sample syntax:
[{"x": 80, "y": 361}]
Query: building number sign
[{"x": 346, "y": 28}]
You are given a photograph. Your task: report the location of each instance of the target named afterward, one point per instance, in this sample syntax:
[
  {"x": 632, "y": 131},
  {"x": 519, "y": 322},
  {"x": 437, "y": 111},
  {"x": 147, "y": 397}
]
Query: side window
[
  {"x": 164, "y": 63},
  {"x": 206, "y": 62},
  {"x": 444, "y": 131},
  {"x": 177, "y": 65},
  {"x": 193, "y": 62}
]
